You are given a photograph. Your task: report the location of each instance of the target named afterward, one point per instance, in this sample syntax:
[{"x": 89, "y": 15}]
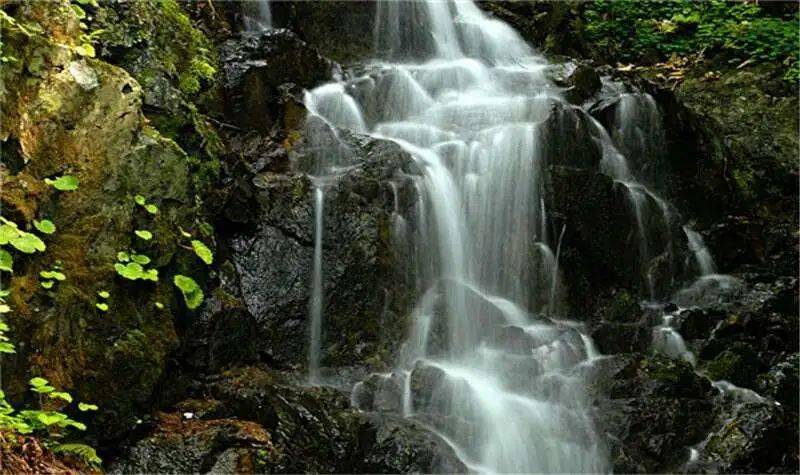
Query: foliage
[
  {"x": 82, "y": 451},
  {"x": 130, "y": 266},
  {"x": 143, "y": 234},
  {"x": 64, "y": 183},
  {"x": 44, "y": 226},
  {"x": 653, "y": 30},
  {"x": 149, "y": 207},
  {"x": 20, "y": 240},
  {"x": 202, "y": 251},
  {"x": 192, "y": 294}
]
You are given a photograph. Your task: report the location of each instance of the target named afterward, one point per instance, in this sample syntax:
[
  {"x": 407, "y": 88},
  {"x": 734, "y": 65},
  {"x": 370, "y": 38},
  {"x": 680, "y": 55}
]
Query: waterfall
[
  {"x": 256, "y": 16},
  {"x": 702, "y": 256},
  {"x": 486, "y": 366},
  {"x": 315, "y": 307}
]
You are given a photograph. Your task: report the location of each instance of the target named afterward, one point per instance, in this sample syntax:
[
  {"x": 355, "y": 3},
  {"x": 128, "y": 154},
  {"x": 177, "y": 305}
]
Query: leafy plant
[
  {"x": 44, "y": 226},
  {"x": 143, "y": 234},
  {"x": 149, "y": 207},
  {"x": 192, "y": 293},
  {"x": 202, "y": 251},
  {"x": 20, "y": 240},
  {"x": 6, "y": 261},
  {"x": 82, "y": 451},
  {"x": 130, "y": 266},
  {"x": 654, "y": 30},
  {"x": 64, "y": 183}
]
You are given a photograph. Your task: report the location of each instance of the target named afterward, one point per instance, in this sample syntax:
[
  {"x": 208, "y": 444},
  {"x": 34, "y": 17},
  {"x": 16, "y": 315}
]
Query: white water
[
  {"x": 509, "y": 396},
  {"x": 315, "y": 307},
  {"x": 701, "y": 253},
  {"x": 256, "y": 16}
]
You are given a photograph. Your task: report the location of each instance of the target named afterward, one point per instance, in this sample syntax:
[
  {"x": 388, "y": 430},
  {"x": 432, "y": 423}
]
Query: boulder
[
  {"x": 756, "y": 438},
  {"x": 654, "y": 408},
  {"x": 180, "y": 443},
  {"x": 366, "y": 298},
  {"x": 264, "y": 75}
]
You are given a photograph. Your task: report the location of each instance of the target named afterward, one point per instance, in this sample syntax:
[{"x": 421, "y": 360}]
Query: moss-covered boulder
[{"x": 73, "y": 115}]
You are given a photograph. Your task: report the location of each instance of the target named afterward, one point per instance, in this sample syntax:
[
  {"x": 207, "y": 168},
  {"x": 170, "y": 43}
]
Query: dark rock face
[
  {"x": 180, "y": 445},
  {"x": 261, "y": 74},
  {"x": 365, "y": 302},
  {"x": 754, "y": 439},
  {"x": 655, "y": 407},
  {"x": 259, "y": 421}
]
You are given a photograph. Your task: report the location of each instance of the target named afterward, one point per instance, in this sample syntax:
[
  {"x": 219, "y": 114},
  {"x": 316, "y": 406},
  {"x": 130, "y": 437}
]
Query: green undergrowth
[{"x": 650, "y": 31}]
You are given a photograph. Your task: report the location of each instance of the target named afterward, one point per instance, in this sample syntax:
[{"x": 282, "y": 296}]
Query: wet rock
[
  {"x": 365, "y": 294},
  {"x": 341, "y": 30},
  {"x": 592, "y": 231},
  {"x": 264, "y": 77},
  {"x": 187, "y": 445},
  {"x": 567, "y": 138},
  {"x": 654, "y": 407},
  {"x": 614, "y": 338},
  {"x": 781, "y": 381},
  {"x": 757, "y": 438},
  {"x": 582, "y": 83},
  {"x": 738, "y": 364},
  {"x": 404, "y": 446},
  {"x": 313, "y": 429}
]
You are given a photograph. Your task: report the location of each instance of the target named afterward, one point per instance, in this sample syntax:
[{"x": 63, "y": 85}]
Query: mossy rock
[
  {"x": 83, "y": 117},
  {"x": 738, "y": 364}
]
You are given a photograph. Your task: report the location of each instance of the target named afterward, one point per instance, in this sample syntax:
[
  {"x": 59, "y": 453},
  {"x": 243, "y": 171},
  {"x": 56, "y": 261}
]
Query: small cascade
[
  {"x": 315, "y": 306},
  {"x": 257, "y": 16},
  {"x": 702, "y": 256}
]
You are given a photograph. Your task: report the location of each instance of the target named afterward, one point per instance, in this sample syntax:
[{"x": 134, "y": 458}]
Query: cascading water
[
  {"x": 486, "y": 365},
  {"x": 508, "y": 392},
  {"x": 257, "y": 16}
]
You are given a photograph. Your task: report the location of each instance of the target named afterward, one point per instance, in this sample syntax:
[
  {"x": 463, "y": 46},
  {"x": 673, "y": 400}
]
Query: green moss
[
  {"x": 738, "y": 364},
  {"x": 624, "y": 307}
]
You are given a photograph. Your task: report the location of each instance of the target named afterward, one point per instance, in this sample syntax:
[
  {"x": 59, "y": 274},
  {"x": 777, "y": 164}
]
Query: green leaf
[
  {"x": 61, "y": 395},
  {"x": 131, "y": 270},
  {"x": 159, "y": 305},
  {"x": 184, "y": 233},
  {"x": 6, "y": 261},
  {"x": 7, "y": 233},
  {"x": 141, "y": 259},
  {"x": 139, "y": 199},
  {"x": 45, "y": 226},
  {"x": 151, "y": 274},
  {"x": 37, "y": 382},
  {"x": 64, "y": 183},
  {"x": 75, "y": 424},
  {"x": 87, "y": 407},
  {"x": 54, "y": 274},
  {"x": 27, "y": 243},
  {"x": 6, "y": 347},
  {"x": 151, "y": 208},
  {"x": 4, "y": 309},
  {"x": 103, "y": 294},
  {"x": 192, "y": 293},
  {"x": 123, "y": 256},
  {"x": 203, "y": 252},
  {"x": 144, "y": 234},
  {"x": 103, "y": 307},
  {"x": 47, "y": 284},
  {"x": 50, "y": 418}
]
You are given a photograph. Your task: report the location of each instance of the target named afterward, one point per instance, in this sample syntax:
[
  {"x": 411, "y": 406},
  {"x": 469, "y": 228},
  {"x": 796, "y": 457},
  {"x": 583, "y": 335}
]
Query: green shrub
[{"x": 653, "y": 30}]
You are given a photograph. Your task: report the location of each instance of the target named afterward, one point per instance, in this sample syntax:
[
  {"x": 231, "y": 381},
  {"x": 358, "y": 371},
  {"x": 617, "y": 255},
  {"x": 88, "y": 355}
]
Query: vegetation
[{"x": 651, "y": 31}]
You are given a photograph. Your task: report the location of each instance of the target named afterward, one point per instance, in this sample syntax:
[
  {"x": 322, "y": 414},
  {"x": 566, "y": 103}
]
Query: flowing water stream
[{"x": 489, "y": 363}]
